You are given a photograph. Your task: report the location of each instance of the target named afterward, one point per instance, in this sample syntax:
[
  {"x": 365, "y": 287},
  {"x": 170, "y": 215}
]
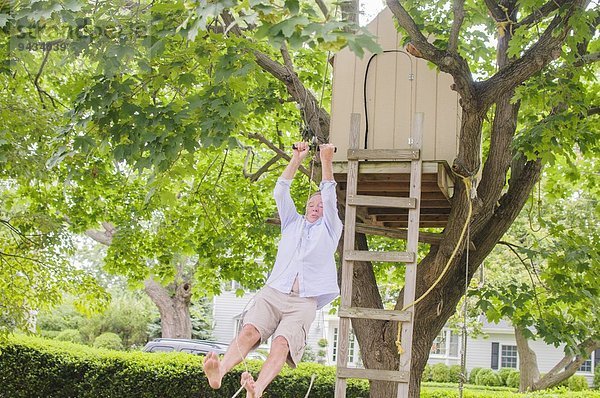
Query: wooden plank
[
  {"x": 386, "y": 167},
  {"x": 424, "y": 237},
  {"x": 447, "y": 112},
  {"x": 393, "y": 187},
  {"x": 397, "y": 155},
  {"x": 383, "y": 67},
  {"x": 348, "y": 266},
  {"x": 376, "y": 211},
  {"x": 426, "y": 101},
  {"x": 423, "y": 224},
  {"x": 380, "y": 201},
  {"x": 442, "y": 181},
  {"x": 387, "y": 177},
  {"x": 410, "y": 275},
  {"x": 434, "y": 203},
  {"x": 374, "y": 313},
  {"x": 342, "y": 100},
  {"x": 362, "y": 255},
  {"x": 423, "y": 217},
  {"x": 373, "y": 374}
]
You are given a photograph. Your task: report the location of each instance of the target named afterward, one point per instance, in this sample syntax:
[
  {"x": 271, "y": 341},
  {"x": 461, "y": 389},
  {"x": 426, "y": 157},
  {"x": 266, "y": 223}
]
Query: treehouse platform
[{"x": 391, "y": 179}]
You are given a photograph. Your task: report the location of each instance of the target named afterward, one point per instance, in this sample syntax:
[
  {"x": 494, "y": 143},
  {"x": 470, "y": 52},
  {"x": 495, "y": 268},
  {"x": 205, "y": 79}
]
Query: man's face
[{"x": 314, "y": 209}]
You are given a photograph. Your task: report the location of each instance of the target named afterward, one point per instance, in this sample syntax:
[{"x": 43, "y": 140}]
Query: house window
[
  {"x": 439, "y": 344},
  {"x": 586, "y": 366},
  {"x": 445, "y": 344},
  {"x": 335, "y": 343},
  {"x": 352, "y": 347},
  {"x": 508, "y": 358}
]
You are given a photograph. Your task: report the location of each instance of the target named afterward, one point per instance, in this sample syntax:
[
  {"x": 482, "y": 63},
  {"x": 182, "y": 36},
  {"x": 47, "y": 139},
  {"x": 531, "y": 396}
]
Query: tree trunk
[
  {"x": 174, "y": 309},
  {"x": 566, "y": 367},
  {"x": 528, "y": 365},
  {"x": 530, "y": 375}
]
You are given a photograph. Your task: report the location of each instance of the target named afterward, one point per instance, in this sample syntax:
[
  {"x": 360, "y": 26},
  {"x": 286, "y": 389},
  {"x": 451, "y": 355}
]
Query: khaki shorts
[{"x": 279, "y": 314}]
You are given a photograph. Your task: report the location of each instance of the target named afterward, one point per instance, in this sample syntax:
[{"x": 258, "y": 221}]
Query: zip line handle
[{"x": 313, "y": 146}]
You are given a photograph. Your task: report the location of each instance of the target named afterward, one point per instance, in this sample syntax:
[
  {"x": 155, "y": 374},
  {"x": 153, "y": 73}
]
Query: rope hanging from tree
[{"x": 468, "y": 187}]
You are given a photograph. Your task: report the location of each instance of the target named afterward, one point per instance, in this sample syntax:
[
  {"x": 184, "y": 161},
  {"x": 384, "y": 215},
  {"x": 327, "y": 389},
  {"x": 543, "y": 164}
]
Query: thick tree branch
[
  {"x": 567, "y": 366},
  {"x": 594, "y": 111},
  {"x": 287, "y": 59},
  {"x": 263, "y": 169},
  {"x": 493, "y": 177},
  {"x": 458, "y": 7},
  {"x": 350, "y": 10},
  {"x": 447, "y": 62},
  {"x": 545, "y": 50},
  {"x": 278, "y": 151},
  {"x": 323, "y": 8},
  {"x": 524, "y": 175},
  {"x": 587, "y": 59},
  {"x": 104, "y": 237},
  {"x": 495, "y": 10},
  {"x": 230, "y": 24},
  {"x": 315, "y": 117},
  {"x": 540, "y": 13}
]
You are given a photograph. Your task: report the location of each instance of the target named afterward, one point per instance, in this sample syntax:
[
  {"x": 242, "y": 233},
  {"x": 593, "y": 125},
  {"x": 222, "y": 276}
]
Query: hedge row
[
  {"x": 504, "y": 377},
  {"x": 36, "y": 368}
]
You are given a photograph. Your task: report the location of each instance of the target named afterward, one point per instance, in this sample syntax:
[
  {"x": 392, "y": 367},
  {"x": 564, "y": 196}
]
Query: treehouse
[
  {"x": 387, "y": 91},
  {"x": 396, "y": 124}
]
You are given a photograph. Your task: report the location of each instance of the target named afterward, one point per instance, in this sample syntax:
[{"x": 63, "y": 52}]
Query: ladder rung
[
  {"x": 365, "y": 255},
  {"x": 399, "y": 376},
  {"x": 381, "y": 201},
  {"x": 374, "y": 313},
  {"x": 383, "y": 154}
]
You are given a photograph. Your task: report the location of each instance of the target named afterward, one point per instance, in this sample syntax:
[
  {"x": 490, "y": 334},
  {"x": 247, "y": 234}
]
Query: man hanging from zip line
[{"x": 303, "y": 280}]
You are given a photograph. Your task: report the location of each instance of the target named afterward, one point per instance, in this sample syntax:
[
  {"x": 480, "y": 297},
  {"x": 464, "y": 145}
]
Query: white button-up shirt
[{"x": 306, "y": 250}]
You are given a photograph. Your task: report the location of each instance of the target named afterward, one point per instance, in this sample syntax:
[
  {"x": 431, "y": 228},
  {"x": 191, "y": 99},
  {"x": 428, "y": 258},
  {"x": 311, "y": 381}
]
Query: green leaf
[
  {"x": 293, "y": 6},
  {"x": 4, "y": 19}
]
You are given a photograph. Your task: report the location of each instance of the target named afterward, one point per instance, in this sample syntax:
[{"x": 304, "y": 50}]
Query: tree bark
[
  {"x": 531, "y": 380},
  {"x": 174, "y": 309},
  {"x": 528, "y": 366}
]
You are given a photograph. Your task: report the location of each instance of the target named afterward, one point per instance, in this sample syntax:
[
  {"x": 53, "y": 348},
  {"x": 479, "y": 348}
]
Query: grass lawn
[{"x": 442, "y": 390}]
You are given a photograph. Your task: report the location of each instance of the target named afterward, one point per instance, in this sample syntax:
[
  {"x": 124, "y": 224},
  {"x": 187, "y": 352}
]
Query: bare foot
[
  {"x": 248, "y": 383},
  {"x": 212, "y": 370}
]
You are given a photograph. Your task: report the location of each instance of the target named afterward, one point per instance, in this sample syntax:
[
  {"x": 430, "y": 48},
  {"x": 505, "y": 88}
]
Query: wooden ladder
[{"x": 353, "y": 200}]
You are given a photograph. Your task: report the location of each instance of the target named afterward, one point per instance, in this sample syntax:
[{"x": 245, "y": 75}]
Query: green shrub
[
  {"x": 513, "y": 379},
  {"x": 440, "y": 373},
  {"x": 426, "y": 373},
  {"x": 577, "y": 383},
  {"x": 503, "y": 374},
  {"x": 70, "y": 335},
  {"x": 308, "y": 355},
  {"x": 473, "y": 375},
  {"x": 597, "y": 377},
  {"x": 454, "y": 372},
  {"x": 487, "y": 377},
  {"x": 108, "y": 340}
]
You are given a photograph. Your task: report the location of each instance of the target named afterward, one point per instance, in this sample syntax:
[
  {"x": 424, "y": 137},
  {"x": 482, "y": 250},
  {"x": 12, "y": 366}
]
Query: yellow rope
[{"x": 467, "y": 182}]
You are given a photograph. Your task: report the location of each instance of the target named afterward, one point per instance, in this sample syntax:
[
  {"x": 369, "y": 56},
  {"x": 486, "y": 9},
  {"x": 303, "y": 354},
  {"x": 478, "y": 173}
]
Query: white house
[{"x": 498, "y": 349}]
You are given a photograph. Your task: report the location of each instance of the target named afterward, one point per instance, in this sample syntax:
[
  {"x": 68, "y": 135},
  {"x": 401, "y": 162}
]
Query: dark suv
[{"x": 197, "y": 347}]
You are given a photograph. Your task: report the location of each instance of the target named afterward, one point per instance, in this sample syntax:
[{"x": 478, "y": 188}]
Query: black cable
[{"x": 365, "y": 89}]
